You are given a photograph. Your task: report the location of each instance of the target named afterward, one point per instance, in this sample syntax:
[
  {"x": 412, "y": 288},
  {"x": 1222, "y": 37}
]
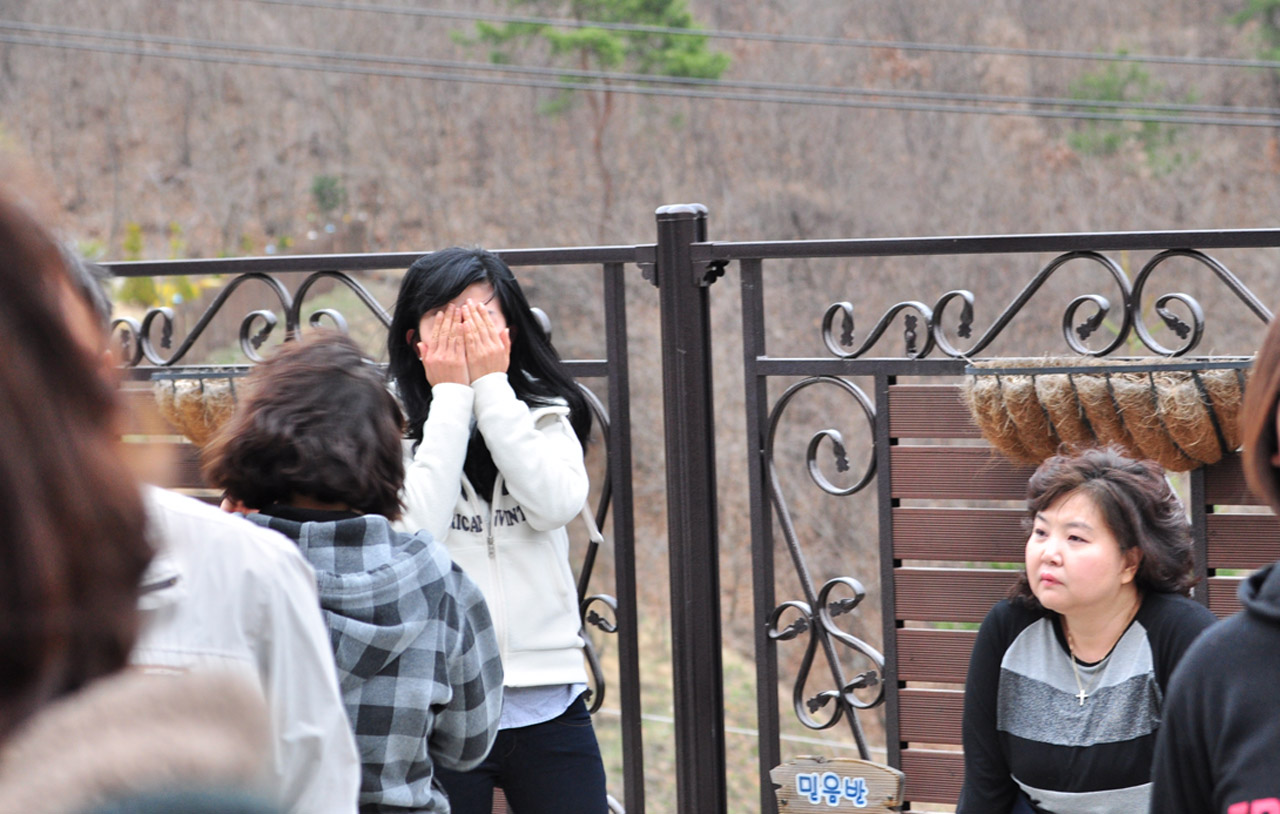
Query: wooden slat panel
[
  {"x": 933, "y": 776},
  {"x": 949, "y": 594},
  {"x": 1242, "y": 540},
  {"x": 929, "y": 411},
  {"x": 957, "y": 473},
  {"x": 1222, "y": 595},
  {"x": 133, "y": 395},
  {"x": 1224, "y": 483},
  {"x": 930, "y": 716},
  {"x": 172, "y": 464},
  {"x": 140, "y": 414},
  {"x": 934, "y": 655},
  {"x": 983, "y": 535}
]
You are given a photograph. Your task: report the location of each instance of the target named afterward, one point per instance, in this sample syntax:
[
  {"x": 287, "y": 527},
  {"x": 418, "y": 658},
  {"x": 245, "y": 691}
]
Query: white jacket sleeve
[
  {"x": 536, "y": 451},
  {"x": 433, "y": 477},
  {"x": 314, "y": 752}
]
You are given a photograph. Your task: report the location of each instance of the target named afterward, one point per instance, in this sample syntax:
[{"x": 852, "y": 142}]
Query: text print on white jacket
[{"x": 516, "y": 547}]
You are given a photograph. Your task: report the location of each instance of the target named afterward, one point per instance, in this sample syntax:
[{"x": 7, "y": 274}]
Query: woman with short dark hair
[
  {"x": 316, "y": 423},
  {"x": 313, "y": 449},
  {"x": 1066, "y": 683}
]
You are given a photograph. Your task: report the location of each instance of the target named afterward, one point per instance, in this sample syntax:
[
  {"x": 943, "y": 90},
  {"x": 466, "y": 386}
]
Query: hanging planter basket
[
  {"x": 1181, "y": 414},
  {"x": 197, "y": 403}
]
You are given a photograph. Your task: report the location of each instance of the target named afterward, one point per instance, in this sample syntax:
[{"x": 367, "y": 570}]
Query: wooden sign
[{"x": 812, "y": 783}]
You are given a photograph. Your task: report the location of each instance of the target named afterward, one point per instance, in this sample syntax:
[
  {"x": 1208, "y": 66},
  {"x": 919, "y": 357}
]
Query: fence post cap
[{"x": 680, "y": 211}]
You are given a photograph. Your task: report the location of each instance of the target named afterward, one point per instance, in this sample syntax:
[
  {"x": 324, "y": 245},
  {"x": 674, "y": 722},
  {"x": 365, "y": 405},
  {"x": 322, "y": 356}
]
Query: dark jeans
[{"x": 548, "y": 768}]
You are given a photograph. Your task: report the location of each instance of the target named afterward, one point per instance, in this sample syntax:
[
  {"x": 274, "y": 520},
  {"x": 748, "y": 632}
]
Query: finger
[
  {"x": 485, "y": 321},
  {"x": 455, "y": 323},
  {"x": 469, "y": 311},
  {"x": 436, "y": 326},
  {"x": 466, "y": 336},
  {"x": 483, "y": 326},
  {"x": 487, "y": 318}
]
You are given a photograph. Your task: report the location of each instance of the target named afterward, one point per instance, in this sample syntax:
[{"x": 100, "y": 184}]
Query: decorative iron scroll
[
  {"x": 608, "y": 624},
  {"x": 197, "y": 400},
  {"x": 590, "y": 616},
  {"x": 925, "y": 328},
  {"x": 816, "y": 614},
  {"x": 137, "y": 343}
]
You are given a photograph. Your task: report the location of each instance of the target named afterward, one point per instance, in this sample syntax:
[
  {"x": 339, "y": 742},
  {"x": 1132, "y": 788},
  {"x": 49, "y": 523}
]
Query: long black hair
[{"x": 536, "y": 373}]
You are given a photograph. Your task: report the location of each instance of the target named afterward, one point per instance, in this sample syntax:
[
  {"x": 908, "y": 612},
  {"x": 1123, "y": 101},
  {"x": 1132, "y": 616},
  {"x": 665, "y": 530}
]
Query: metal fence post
[{"x": 691, "y": 511}]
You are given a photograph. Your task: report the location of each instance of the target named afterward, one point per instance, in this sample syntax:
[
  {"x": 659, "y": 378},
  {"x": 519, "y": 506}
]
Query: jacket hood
[
  {"x": 133, "y": 733},
  {"x": 1260, "y": 594},
  {"x": 366, "y": 573}
]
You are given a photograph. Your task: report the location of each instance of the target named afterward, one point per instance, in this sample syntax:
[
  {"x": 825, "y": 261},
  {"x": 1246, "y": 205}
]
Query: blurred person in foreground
[
  {"x": 224, "y": 595},
  {"x": 1067, "y": 680},
  {"x": 313, "y": 451},
  {"x": 77, "y": 731},
  {"x": 1219, "y": 750}
]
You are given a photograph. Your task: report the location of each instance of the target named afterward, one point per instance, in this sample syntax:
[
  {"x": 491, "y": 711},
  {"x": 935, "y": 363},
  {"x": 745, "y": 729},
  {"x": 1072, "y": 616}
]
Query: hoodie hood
[
  {"x": 1260, "y": 594},
  {"x": 367, "y": 573},
  {"x": 132, "y": 733}
]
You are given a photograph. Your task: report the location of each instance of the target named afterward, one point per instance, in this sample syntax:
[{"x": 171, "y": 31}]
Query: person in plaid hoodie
[{"x": 314, "y": 453}]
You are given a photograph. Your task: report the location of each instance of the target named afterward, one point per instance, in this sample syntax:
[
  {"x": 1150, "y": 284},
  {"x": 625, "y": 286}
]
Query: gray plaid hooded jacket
[{"x": 416, "y": 654}]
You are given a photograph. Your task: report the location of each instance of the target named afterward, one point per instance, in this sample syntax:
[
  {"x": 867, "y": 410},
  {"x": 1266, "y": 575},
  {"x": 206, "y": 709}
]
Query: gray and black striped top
[{"x": 1026, "y": 729}]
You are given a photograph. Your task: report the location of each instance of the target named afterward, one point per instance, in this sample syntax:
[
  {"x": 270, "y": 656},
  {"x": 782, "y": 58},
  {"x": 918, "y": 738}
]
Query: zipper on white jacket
[
  {"x": 493, "y": 513},
  {"x": 497, "y": 608}
]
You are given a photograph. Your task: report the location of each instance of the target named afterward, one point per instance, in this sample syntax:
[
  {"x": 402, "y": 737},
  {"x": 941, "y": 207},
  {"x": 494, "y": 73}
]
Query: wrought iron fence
[
  {"x": 152, "y": 352},
  {"x": 941, "y": 340},
  {"x": 938, "y": 340}
]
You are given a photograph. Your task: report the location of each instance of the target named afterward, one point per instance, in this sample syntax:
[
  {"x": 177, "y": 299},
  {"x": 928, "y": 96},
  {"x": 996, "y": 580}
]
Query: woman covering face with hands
[
  {"x": 494, "y": 470},
  {"x": 464, "y": 341}
]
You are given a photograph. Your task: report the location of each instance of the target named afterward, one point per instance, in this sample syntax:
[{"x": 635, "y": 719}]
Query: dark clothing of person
[
  {"x": 1219, "y": 750},
  {"x": 561, "y": 753}
]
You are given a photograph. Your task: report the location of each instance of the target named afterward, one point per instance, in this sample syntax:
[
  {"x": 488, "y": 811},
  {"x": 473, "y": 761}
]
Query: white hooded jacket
[{"x": 515, "y": 548}]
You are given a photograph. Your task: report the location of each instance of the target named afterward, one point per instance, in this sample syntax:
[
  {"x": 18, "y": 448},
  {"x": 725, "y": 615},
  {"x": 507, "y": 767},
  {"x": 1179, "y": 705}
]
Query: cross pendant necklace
[{"x": 1083, "y": 691}]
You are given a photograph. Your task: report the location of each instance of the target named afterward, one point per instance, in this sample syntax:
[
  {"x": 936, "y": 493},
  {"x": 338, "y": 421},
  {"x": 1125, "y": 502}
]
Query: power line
[
  {"x": 775, "y": 87},
  {"x": 795, "y": 39},
  {"x": 321, "y": 67}
]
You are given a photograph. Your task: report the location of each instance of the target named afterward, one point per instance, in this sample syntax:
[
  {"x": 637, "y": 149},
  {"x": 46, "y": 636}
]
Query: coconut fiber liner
[
  {"x": 1180, "y": 418},
  {"x": 196, "y": 407}
]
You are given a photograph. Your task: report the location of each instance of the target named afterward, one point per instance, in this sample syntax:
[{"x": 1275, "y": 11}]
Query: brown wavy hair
[
  {"x": 1258, "y": 419},
  {"x": 318, "y": 422},
  {"x": 1137, "y": 504},
  {"x": 72, "y": 527}
]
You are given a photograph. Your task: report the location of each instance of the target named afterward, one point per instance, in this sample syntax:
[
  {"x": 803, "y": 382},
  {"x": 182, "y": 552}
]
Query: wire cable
[
  {"x": 776, "y": 87},
  {"x": 796, "y": 39},
  {"x": 788, "y": 99}
]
